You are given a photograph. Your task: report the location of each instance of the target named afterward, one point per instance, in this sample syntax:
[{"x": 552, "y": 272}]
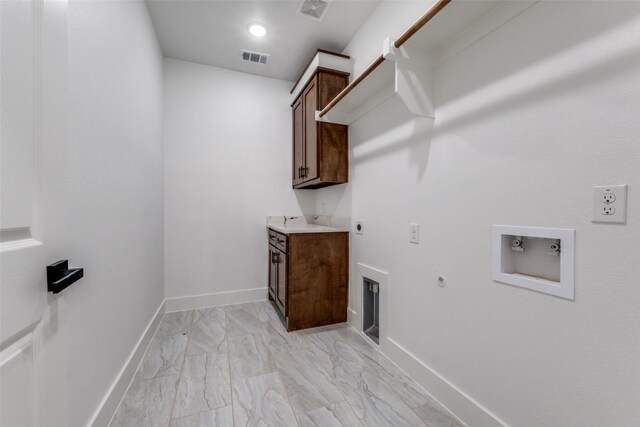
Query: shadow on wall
[
  {"x": 506, "y": 79},
  {"x": 389, "y": 128},
  {"x": 567, "y": 67},
  {"x": 529, "y": 43},
  {"x": 306, "y": 201},
  {"x": 335, "y": 200}
]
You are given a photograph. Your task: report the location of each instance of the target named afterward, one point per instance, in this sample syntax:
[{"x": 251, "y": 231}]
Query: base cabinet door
[
  {"x": 273, "y": 273},
  {"x": 281, "y": 288}
]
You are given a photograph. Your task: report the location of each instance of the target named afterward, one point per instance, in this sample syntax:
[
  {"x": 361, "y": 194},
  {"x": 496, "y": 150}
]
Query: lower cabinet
[
  {"x": 308, "y": 277},
  {"x": 278, "y": 279},
  {"x": 273, "y": 272},
  {"x": 281, "y": 288}
]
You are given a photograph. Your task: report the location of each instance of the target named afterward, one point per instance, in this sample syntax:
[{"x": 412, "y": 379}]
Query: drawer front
[
  {"x": 272, "y": 237},
  {"x": 281, "y": 242},
  {"x": 278, "y": 240}
]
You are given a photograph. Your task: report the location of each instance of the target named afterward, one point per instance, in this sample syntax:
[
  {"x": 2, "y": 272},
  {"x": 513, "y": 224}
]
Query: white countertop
[{"x": 305, "y": 228}]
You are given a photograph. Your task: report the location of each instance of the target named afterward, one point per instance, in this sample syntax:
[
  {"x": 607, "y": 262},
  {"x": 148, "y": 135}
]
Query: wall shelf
[{"x": 405, "y": 67}]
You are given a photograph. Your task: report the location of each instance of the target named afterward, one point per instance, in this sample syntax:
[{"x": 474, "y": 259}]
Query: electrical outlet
[
  {"x": 610, "y": 203},
  {"x": 414, "y": 233},
  {"x": 608, "y": 198},
  {"x": 359, "y": 227},
  {"x": 607, "y": 210}
]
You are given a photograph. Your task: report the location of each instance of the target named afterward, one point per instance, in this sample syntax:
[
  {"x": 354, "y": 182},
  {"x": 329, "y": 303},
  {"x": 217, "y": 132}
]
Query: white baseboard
[
  {"x": 211, "y": 300},
  {"x": 109, "y": 405},
  {"x": 455, "y": 400},
  {"x": 352, "y": 317}
]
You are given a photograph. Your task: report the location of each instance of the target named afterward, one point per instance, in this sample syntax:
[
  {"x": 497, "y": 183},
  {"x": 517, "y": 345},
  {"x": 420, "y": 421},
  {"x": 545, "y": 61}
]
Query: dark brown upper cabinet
[{"x": 320, "y": 150}]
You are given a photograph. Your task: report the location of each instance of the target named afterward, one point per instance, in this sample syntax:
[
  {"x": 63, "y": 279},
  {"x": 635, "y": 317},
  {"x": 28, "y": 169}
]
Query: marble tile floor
[{"x": 237, "y": 366}]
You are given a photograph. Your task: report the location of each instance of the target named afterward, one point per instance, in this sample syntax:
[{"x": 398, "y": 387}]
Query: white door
[{"x": 33, "y": 90}]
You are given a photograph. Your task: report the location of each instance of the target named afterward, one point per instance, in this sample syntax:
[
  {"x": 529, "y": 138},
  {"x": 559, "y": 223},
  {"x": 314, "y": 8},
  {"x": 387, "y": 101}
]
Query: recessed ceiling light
[{"x": 257, "y": 30}]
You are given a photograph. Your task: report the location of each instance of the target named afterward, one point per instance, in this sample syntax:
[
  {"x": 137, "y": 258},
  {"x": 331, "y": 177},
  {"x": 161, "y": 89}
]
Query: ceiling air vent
[
  {"x": 314, "y": 9},
  {"x": 255, "y": 57}
]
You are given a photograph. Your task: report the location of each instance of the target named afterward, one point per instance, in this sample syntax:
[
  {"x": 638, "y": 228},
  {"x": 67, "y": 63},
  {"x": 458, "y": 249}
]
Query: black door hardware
[{"x": 59, "y": 276}]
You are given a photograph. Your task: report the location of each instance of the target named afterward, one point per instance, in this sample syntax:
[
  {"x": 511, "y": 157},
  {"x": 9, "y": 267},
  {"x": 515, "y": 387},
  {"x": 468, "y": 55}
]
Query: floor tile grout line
[
  {"x": 184, "y": 360},
  {"x": 393, "y": 392},
  {"x": 350, "y": 342},
  {"x": 226, "y": 334},
  {"x": 391, "y": 389},
  {"x": 284, "y": 389},
  {"x": 205, "y": 318},
  {"x": 312, "y": 347},
  {"x": 144, "y": 355}
]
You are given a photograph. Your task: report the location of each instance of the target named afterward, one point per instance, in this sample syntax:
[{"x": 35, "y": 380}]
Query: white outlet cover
[
  {"x": 414, "y": 233},
  {"x": 359, "y": 227},
  {"x": 603, "y": 202}
]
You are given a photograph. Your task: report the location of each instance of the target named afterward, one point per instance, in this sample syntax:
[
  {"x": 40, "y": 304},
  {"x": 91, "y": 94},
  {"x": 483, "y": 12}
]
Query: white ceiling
[{"x": 213, "y": 32}]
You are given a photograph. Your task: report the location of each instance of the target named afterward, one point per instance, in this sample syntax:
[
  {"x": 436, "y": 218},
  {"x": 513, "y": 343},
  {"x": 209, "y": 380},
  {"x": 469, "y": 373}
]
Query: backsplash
[{"x": 326, "y": 220}]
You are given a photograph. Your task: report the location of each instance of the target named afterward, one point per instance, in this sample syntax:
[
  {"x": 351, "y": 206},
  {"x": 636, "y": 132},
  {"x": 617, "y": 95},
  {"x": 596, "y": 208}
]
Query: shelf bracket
[
  {"x": 333, "y": 117},
  {"x": 413, "y": 78}
]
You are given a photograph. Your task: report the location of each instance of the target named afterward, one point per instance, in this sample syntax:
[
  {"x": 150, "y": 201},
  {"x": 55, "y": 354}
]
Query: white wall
[
  {"x": 390, "y": 19},
  {"x": 112, "y": 221},
  {"x": 227, "y": 166},
  {"x": 528, "y": 119}
]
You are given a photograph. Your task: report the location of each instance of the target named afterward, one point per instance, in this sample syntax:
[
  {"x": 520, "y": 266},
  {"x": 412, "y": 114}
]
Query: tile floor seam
[
  {"x": 133, "y": 379},
  {"x": 395, "y": 383},
  {"x": 393, "y": 391},
  {"x": 286, "y": 395},
  {"x": 390, "y": 388},
  {"x": 426, "y": 392},
  {"x": 231, "y": 375},
  {"x": 184, "y": 360},
  {"x": 226, "y": 333},
  {"x": 277, "y": 370},
  {"x": 396, "y": 394}
]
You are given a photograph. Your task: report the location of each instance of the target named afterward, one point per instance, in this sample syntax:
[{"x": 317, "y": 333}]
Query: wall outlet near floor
[
  {"x": 414, "y": 233},
  {"x": 359, "y": 227},
  {"x": 610, "y": 203}
]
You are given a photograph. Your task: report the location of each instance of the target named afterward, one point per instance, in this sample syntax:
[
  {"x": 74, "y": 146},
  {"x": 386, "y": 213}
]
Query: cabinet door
[
  {"x": 273, "y": 273},
  {"x": 281, "y": 289},
  {"x": 298, "y": 141},
  {"x": 310, "y": 101}
]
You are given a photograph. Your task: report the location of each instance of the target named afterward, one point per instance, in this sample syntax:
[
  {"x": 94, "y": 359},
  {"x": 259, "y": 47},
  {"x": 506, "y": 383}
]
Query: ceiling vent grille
[
  {"x": 255, "y": 57},
  {"x": 314, "y": 9}
]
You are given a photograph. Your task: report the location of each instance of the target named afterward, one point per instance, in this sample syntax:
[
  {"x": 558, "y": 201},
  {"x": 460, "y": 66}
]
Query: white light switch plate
[{"x": 610, "y": 203}]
